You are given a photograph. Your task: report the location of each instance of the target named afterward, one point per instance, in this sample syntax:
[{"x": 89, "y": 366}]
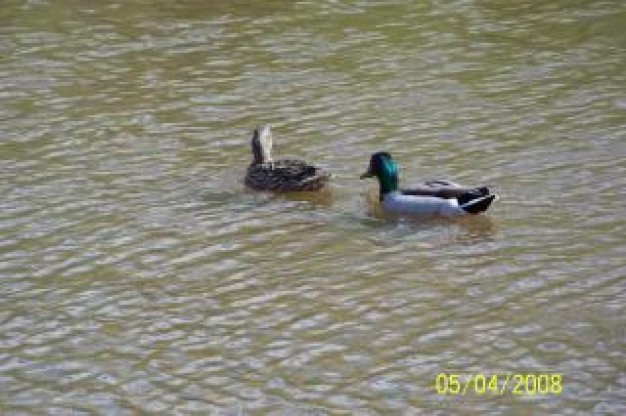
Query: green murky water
[{"x": 137, "y": 274}]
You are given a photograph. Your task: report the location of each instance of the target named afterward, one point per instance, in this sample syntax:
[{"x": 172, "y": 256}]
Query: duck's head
[
  {"x": 262, "y": 144},
  {"x": 385, "y": 169}
]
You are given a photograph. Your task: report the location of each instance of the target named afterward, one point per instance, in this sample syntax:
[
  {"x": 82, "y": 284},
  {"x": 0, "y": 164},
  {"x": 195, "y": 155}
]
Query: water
[{"x": 138, "y": 275}]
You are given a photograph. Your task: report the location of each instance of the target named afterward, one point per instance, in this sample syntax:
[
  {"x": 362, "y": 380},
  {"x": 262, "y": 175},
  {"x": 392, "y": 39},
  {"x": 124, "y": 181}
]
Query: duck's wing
[
  {"x": 422, "y": 190},
  {"x": 444, "y": 189},
  {"x": 260, "y": 177},
  {"x": 293, "y": 169},
  {"x": 298, "y": 175},
  {"x": 435, "y": 183}
]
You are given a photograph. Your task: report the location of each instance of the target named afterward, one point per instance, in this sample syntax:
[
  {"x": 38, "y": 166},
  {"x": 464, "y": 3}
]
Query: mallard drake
[
  {"x": 439, "y": 197},
  {"x": 284, "y": 175}
]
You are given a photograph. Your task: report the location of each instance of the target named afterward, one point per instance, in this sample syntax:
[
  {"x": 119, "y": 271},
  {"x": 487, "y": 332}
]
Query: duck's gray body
[{"x": 397, "y": 202}]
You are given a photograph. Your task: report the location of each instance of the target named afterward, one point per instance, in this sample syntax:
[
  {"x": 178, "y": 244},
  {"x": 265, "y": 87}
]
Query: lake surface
[{"x": 138, "y": 275}]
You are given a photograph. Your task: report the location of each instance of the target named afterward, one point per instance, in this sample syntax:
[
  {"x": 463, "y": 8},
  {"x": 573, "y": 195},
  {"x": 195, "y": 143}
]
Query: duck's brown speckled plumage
[{"x": 285, "y": 175}]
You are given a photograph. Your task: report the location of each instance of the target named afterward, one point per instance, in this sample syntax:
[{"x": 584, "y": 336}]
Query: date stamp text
[{"x": 499, "y": 384}]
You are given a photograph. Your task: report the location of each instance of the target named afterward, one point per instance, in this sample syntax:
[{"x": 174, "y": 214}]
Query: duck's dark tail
[{"x": 474, "y": 204}]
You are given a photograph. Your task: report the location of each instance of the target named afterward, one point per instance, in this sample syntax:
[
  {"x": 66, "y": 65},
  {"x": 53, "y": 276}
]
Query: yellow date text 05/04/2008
[{"x": 498, "y": 384}]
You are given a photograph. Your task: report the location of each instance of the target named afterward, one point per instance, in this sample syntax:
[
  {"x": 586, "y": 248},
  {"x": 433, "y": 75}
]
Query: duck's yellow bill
[{"x": 367, "y": 174}]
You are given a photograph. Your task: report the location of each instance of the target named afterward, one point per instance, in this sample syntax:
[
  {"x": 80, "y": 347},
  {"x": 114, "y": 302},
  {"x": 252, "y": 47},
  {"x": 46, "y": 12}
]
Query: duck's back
[{"x": 286, "y": 175}]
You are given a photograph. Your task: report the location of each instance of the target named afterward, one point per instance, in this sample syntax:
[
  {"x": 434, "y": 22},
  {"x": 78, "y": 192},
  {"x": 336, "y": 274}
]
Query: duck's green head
[{"x": 385, "y": 169}]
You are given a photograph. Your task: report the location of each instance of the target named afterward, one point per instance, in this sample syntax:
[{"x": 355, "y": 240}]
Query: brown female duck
[{"x": 284, "y": 175}]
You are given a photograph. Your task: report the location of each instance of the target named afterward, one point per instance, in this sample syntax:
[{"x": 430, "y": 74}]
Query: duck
[
  {"x": 433, "y": 198},
  {"x": 284, "y": 175}
]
